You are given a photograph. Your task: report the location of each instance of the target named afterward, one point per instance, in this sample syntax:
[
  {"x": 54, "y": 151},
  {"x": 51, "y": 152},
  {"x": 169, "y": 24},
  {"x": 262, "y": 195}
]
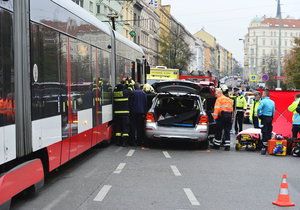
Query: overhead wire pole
[{"x": 279, "y": 43}]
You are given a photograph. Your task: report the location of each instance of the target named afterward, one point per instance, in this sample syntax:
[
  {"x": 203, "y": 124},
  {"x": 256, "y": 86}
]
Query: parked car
[{"x": 177, "y": 113}]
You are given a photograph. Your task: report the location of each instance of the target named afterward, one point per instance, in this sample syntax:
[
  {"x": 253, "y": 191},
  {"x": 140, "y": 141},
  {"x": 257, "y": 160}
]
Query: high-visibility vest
[
  {"x": 241, "y": 102},
  {"x": 296, "y": 116},
  {"x": 223, "y": 104},
  {"x": 254, "y": 110}
]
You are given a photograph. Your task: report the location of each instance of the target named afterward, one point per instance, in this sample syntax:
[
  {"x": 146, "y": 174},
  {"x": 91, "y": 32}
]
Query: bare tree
[{"x": 175, "y": 52}]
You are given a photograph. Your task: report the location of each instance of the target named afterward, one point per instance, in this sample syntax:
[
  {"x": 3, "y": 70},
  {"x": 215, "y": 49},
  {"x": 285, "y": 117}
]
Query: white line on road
[
  {"x": 175, "y": 170},
  {"x": 119, "y": 168},
  {"x": 102, "y": 193},
  {"x": 191, "y": 196},
  {"x": 56, "y": 201},
  {"x": 130, "y": 153},
  {"x": 166, "y": 154},
  {"x": 119, "y": 149}
]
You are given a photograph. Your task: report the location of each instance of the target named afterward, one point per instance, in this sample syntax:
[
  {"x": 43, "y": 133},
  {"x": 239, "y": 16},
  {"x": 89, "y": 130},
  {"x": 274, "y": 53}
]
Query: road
[{"x": 166, "y": 176}]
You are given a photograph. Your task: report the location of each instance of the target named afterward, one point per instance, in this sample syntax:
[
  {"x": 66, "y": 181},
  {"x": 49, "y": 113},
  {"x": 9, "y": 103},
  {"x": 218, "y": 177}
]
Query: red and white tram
[{"x": 58, "y": 66}]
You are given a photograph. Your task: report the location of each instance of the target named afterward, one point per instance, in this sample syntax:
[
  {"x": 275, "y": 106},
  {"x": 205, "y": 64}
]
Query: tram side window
[
  {"x": 45, "y": 85},
  {"x": 105, "y": 71},
  {"x": 82, "y": 85},
  {"x": 7, "y": 106}
]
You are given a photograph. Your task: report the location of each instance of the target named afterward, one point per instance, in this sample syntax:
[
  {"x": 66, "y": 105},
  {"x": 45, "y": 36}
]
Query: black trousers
[
  {"x": 138, "y": 128},
  {"x": 239, "y": 120},
  {"x": 223, "y": 123},
  {"x": 255, "y": 122},
  {"x": 295, "y": 131},
  {"x": 266, "y": 129},
  {"x": 121, "y": 128}
]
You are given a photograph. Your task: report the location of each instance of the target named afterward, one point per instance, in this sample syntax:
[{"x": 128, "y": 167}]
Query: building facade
[{"x": 261, "y": 43}]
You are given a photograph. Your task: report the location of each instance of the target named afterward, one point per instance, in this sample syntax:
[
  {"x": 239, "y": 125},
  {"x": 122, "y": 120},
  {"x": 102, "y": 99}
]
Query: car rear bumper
[{"x": 199, "y": 133}]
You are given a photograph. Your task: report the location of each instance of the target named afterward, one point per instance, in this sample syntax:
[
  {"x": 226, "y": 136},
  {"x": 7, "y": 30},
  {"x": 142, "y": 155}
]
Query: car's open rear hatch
[{"x": 177, "y": 111}]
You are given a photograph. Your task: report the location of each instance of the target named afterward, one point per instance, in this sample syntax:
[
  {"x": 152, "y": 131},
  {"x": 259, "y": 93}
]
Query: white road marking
[
  {"x": 119, "y": 149},
  {"x": 175, "y": 170},
  {"x": 89, "y": 174},
  {"x": 166, "y": 154},
  {"x": 130, "y": 153},
  {"x": 56, "y": 201},
  {"x": 102, "y": 193},
  {"x": 191, "y": 197},
  {"x": 119, "y": 168}
]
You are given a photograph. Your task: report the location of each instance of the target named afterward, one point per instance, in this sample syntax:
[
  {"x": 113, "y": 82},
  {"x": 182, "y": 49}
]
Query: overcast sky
[{"x": 228, "y": 20}]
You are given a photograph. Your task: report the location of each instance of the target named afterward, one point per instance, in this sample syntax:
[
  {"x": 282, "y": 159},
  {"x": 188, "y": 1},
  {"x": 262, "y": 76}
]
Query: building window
[
  {"x": 285, "y": 34},
  {"x": 98, "y": 9},
  {"x": 285, "y": 42},
  {"x": 91, "y": 6},
  {"x": 79, "y": 2},
  {"x": 264, "y": 33},
  {"x": 252, "y": 51},
  {"x": 264, "y": 52},
  {"x": 134, "y": 19},
  {"x": 264, "y": 42},
  {"x": 275, "y": 33},
  {"x": 292, "y": 34}
]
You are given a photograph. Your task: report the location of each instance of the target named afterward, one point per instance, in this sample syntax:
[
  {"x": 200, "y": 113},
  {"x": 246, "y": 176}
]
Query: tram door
[
  {"x": 139, "y": 69},
  {"x": 77, "y": 104},
  {"x": 7, "y": 105}
]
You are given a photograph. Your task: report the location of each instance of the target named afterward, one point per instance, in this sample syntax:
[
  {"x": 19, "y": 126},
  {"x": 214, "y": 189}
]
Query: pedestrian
[
  {"x": 240, "y": 108},
  {"x": 121, "y": 114},
  {"x": 150, "y": 92},
  {"x": 266, "y": 111},
  {"x": 223, "y": 115},
  {"x": 296, "y": 116},
  {"x": 253, "y": 110},
  {"x": 139, "y": 110}
]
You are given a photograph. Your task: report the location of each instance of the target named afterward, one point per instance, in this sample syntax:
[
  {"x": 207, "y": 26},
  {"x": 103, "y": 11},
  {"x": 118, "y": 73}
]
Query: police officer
[
  {"x": 253, "y": 110},
  {"x": 223, "y": 115},
  {"x": 296, "y": 116},
  {"x": 241, "y": 106},
  {"x": 266, "y": 111},
  {"x": 121, "y": 114}
]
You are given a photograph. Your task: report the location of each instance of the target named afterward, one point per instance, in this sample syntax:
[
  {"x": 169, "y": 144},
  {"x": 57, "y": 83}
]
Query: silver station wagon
[{"x": 178, "y": 113}]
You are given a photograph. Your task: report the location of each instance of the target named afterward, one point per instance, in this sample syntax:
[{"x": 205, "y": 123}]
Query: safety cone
[{"x": 283, "y": 199}]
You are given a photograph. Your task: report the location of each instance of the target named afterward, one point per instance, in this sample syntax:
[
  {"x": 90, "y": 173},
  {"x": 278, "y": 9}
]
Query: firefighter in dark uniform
[{"x": 121, "y": 114}]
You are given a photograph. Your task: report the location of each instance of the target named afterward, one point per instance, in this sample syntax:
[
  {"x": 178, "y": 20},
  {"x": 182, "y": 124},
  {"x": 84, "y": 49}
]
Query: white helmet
[{"x": 224, "y": 88}]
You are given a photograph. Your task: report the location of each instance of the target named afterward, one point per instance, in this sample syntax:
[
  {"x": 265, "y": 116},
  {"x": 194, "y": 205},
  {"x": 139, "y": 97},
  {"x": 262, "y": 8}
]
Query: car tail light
[
  {"x": 150, "y": 117},
  {"x": 203, "y": 120}
]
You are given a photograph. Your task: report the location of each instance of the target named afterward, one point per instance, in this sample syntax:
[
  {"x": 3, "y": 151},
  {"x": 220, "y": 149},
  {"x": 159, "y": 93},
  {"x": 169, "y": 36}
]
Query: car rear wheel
[{"x": 204, "y": 145}]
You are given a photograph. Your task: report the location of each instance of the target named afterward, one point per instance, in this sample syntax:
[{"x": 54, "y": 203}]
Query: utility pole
[
  {"x": 279, "y": 43},
  {"x": 113, "y": 18}
]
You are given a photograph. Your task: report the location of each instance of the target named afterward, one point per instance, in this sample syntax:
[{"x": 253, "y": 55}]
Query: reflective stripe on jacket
[
  {"x": 121, "y": 102},
  {"x": 296, "y": 115},
  {"x": 223, "y": 104}
]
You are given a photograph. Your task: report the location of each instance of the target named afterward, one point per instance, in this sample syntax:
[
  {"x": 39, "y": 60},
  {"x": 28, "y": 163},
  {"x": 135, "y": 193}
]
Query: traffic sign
[
  {"x": 253, "y": 78},
  {"x": 132, "y": 33},
  {"x": 265, "y": 78},
  {"x": 280, "y": 77}
]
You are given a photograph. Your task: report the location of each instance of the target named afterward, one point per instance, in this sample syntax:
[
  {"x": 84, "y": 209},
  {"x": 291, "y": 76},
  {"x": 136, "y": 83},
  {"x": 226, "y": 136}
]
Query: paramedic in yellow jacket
[
  {"x": 240, "y": 108},
  {"x": 296, "y": 116},
  {"x": 253, "y": 110}
]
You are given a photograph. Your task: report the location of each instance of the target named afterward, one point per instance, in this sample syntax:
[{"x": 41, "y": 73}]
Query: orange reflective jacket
[{"x": 223, "y": 104}]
